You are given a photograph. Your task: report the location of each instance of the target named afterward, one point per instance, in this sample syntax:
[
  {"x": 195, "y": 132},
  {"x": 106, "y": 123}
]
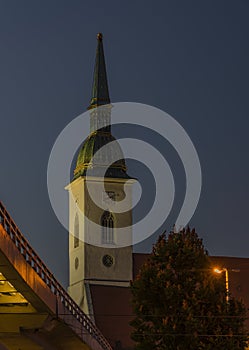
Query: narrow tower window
[
  {"x": 76, "y": 231},
  {"x": 107, "y": 223}
]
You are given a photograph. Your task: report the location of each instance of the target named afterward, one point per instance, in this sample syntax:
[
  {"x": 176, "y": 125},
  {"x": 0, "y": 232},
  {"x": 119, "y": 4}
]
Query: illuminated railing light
[{"x": 11, "y": 286}]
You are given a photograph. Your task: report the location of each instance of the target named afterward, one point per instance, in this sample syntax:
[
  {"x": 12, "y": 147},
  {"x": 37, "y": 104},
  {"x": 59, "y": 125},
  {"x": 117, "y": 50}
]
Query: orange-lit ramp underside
[{"x": 35, "y": 311}]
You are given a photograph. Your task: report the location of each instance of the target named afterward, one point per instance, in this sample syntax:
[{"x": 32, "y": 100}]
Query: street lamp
[{"x": 224, "y": 269}]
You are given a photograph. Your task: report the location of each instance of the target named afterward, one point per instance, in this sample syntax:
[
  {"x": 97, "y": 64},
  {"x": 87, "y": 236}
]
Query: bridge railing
[{"x": 40, "y": 268}]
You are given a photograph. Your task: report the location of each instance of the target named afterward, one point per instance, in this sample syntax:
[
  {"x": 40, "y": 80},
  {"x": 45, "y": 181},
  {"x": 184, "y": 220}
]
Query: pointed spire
[{"x": 100, "y": 93}]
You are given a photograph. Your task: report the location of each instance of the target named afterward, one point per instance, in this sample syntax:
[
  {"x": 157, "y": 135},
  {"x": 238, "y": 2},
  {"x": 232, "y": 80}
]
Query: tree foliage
[{"x": 180, "y": 303}]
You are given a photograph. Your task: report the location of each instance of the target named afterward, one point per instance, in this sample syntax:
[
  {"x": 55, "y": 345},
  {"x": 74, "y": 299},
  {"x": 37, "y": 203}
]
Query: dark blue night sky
[{"x": 188, "y": 58}]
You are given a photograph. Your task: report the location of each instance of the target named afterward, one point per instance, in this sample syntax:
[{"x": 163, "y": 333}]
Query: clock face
[{"x": 107, "y": 260}]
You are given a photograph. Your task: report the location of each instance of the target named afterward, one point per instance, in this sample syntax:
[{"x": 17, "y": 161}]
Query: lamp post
[{"x": 224, "y": 269}]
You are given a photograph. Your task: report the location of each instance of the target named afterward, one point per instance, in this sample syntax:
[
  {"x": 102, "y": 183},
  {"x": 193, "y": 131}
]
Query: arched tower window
[
  {"x": 76, "y": 231},
  {"x": 107, "y": 223}
]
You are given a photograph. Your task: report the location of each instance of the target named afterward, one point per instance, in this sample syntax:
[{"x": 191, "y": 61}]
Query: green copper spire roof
[
  {"x": 93, "y": 156},
  {"x": 100, "y": 93}
]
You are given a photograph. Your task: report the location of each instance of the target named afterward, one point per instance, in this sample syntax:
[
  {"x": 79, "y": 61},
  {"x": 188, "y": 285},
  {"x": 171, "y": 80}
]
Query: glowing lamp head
[{"x": 217, "y": 270}]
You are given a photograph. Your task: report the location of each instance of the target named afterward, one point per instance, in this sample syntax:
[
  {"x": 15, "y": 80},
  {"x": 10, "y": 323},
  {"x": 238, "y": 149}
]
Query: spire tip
[
  {"x": 99, "y": 36},
  {"x": 100, "y": 93}
]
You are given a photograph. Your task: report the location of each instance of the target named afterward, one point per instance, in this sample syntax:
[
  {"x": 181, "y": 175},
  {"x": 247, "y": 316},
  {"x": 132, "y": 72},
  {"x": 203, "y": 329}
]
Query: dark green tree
[{"x": 180, "y": 303}]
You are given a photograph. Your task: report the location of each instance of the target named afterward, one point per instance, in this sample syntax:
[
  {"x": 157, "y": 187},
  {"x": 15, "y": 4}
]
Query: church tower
[{"x": 108, "y": 261}]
